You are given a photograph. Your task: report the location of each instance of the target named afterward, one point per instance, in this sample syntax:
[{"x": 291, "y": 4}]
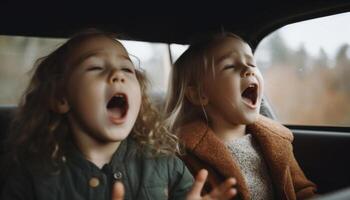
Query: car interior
[{"x": 322, "y": 151}]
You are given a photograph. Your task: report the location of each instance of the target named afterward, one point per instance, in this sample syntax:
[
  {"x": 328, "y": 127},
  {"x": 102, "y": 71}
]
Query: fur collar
[{"x": 273, "y": 138}]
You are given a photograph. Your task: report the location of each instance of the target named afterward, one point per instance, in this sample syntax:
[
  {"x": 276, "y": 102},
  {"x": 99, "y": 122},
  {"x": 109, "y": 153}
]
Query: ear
[
  {"x": 61, "y": 106},
  {"x": 192, "y": 94}
]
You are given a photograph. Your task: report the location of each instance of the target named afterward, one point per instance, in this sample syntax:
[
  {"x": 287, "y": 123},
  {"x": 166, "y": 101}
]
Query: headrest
[{"x": 6, "y": 116}]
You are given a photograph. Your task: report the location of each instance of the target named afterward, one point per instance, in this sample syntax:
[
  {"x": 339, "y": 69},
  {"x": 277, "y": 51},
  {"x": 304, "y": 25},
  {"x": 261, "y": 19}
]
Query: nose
[{"x": 116, "y": 76}]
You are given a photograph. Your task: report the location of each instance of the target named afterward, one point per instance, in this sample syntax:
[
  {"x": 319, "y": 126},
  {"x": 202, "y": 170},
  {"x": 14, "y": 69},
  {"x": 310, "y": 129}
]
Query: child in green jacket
[{"x": 86, "y": 129}]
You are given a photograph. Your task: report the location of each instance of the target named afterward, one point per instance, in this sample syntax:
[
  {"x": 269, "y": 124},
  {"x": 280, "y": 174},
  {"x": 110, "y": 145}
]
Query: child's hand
[
  {"x": 118, "y": 191},
  {"x": 224, "y": 191}
]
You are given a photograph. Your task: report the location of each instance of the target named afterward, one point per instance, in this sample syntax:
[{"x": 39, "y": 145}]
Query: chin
[
  {"x": 120, "y": 137},
  {"x": 116, "y": 136},
  {"x": 251, "y": 118}
]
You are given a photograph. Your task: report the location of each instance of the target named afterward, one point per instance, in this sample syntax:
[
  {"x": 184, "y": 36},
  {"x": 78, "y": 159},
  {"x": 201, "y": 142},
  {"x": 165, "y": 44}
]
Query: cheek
[
  {"x": 86, "y": 94},
  {"x": 137, "y": 96},
  {"x": 261, "y": 80},
  {"x": 223, "y": 88},
  {"x": 212, "y": 85},
  {"x": 230, "y": 86},
  {"x": 91, "y": 89}
]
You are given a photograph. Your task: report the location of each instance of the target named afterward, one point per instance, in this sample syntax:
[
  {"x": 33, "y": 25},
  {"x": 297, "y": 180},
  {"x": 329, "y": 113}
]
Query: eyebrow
[
  {"x": 87, "y": 55},
  {"x": 229, "y": 54},
  {"x": 96, "y": 52}
]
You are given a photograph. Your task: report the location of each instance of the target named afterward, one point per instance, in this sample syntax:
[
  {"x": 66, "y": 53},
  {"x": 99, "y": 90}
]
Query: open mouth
[
  {"x": 250, "y": 94},
  {"x": 117, "y": 107}
]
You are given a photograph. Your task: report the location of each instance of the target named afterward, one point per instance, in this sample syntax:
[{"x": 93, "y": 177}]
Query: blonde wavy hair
[
  {"x": 188, "y": 71},
  {"x": 39, "y": 134}
]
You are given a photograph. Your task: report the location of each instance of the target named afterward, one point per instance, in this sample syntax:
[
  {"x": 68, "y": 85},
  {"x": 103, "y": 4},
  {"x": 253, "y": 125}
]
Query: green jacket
[{"x": 143, "y": 176}]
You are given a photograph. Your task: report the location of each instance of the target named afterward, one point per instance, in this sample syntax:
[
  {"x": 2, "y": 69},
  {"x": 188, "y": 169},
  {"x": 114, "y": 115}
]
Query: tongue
[
  {"x": 116, "y": 112},
  {"x": 248, "y": 100}
]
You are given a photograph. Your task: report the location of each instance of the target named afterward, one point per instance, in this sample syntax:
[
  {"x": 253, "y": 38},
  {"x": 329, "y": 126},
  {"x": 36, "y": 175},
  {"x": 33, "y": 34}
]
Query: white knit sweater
[{"x": 248, "y": 155}]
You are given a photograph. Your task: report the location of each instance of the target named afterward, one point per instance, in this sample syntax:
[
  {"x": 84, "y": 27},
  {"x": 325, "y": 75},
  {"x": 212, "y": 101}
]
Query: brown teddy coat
[{"x": 205, "y": 150}]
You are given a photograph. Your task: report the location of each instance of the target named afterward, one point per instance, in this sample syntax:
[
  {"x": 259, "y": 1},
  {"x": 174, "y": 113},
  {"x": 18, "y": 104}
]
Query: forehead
[
  {"x": 227, "y": 46},
  {"x": 96, "y": 45}
]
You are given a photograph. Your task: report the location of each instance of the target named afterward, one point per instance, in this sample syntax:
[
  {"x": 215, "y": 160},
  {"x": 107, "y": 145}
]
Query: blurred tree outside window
[{"x": 306, "y": 67}]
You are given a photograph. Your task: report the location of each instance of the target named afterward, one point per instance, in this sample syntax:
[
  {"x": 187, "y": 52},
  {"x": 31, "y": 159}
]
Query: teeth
[{"x": 252, "y": 85}]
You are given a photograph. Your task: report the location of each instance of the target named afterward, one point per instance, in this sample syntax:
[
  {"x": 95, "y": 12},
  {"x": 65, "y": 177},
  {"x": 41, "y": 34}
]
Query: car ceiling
[{"x": 166, "y": 21}]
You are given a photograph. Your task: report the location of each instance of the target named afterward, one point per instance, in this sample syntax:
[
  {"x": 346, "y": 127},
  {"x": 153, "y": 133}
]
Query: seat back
[{"x": 6, "y": 116}]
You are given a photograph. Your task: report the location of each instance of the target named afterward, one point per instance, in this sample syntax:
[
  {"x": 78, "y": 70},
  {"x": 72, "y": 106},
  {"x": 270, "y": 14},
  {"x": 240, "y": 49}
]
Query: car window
[
  {"x": 177, "y": 50},
  {"x": 18, "y": 54},
  {"x": 306, "y": 67},
  {"x": 154, "y": 59}
]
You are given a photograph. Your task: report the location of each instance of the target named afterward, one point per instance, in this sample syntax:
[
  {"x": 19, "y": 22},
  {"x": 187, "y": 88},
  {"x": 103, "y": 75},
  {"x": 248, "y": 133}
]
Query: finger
[
  {"x": 118, "y": 191},
  {"x": 229, "y": 194},
  {"x": 199, "y": 183},
  {"x": 223, "y": 189}
]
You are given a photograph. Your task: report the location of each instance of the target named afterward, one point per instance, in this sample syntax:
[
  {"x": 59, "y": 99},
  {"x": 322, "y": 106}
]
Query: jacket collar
[
  {"x": 275, "y": 143},
  {"x": 273, "y": 139},
  {"x": 201, "y": 141},
  {"x": 77, "y": 158}
]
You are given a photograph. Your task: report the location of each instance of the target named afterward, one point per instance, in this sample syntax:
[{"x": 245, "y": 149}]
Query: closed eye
[
  {"x": 95, "y": 68},
  {"x": 128, "y": 70},
  {"x": 229, "y": 67},
  {"x": 252, "y": 65}
]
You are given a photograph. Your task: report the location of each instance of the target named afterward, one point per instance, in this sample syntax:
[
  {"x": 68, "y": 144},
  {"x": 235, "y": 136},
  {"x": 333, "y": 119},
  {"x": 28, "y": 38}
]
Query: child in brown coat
[{"x": 213, "y": 105}]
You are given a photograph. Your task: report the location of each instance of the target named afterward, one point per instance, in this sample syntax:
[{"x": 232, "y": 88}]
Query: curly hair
[{"x": 40, "y": 134}]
